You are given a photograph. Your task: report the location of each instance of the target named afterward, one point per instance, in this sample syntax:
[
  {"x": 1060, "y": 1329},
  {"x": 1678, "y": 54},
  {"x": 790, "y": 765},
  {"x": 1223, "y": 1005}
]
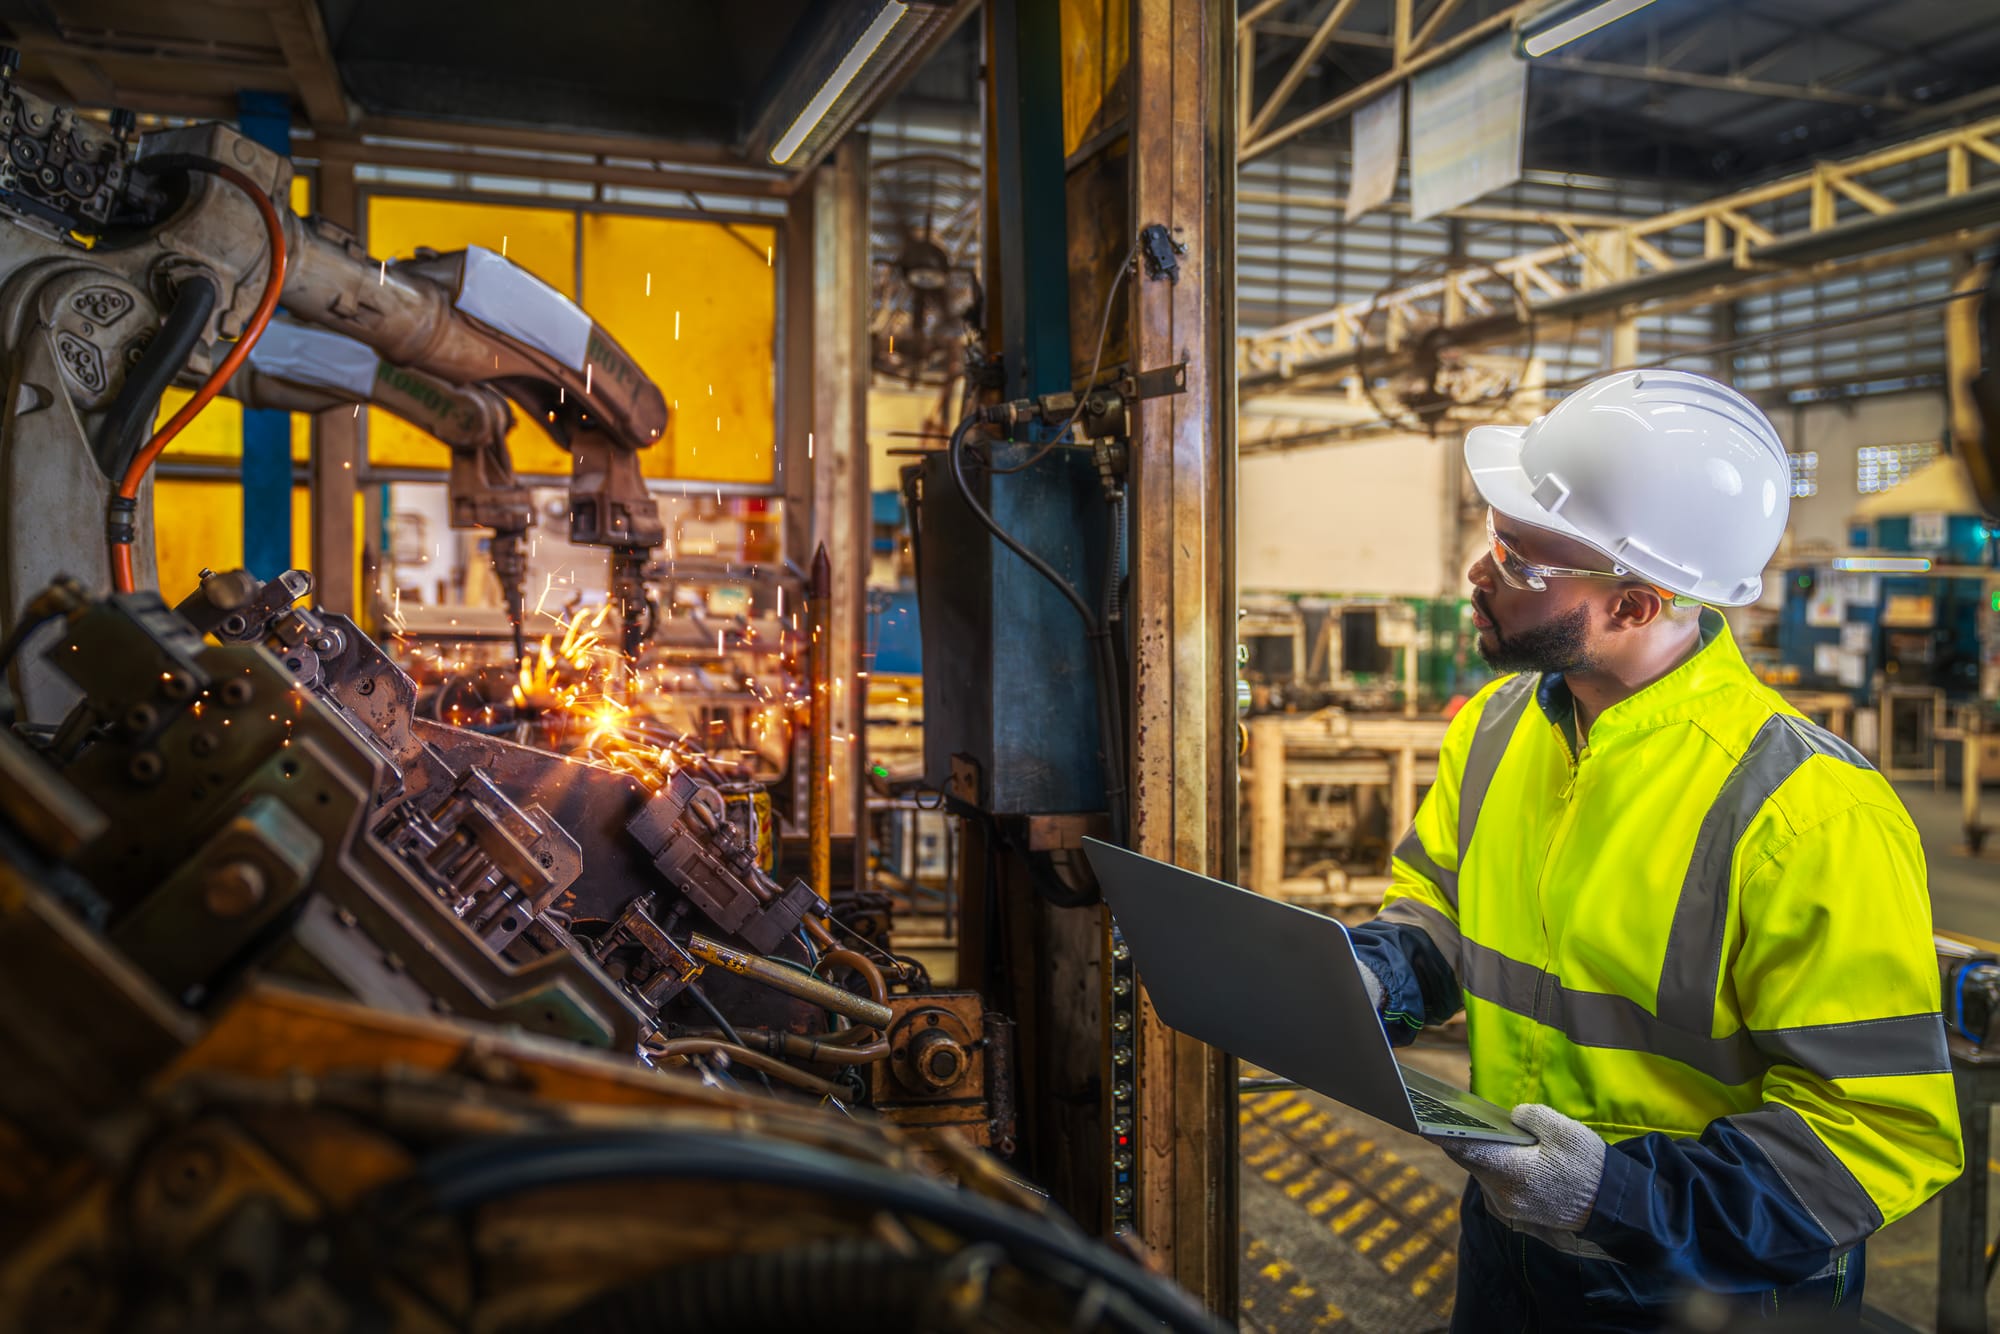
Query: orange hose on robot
[{"x": 128, "y": 486}]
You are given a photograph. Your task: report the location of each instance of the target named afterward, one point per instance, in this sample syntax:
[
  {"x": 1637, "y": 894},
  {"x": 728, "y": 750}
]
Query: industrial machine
[
  {"x": 321, "y": 1013},
  {"x": 298, "y": 1000}
]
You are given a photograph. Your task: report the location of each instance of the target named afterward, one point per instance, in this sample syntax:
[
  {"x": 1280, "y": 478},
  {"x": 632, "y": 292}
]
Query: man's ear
[{"x": 1637, "y": 606}]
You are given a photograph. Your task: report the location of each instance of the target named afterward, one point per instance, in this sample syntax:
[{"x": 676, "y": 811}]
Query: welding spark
[
  {"x": 649, "y": 284},
  {"x": 382, "y": 276},
  {"x": 586, "y": 377},
  {"x": 677, "y": 326}
]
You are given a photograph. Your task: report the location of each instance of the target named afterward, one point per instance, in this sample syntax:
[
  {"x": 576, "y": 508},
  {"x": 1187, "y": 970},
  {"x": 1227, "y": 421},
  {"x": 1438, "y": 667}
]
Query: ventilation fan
[
  {"x": 1409, "y": 351},
  {"x": 924, "y": 245}
]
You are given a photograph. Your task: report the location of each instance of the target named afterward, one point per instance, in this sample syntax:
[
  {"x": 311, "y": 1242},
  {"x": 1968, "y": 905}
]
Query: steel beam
[
  {"x": 840, "y": 456},
  {"x": 1738, "y": 253},
  {"x": 1183, "y": 657},
  {"x": 1409, "y": 60},
  {"x": 1721, "y": 83},
  {"x": 337, "y": 458}
]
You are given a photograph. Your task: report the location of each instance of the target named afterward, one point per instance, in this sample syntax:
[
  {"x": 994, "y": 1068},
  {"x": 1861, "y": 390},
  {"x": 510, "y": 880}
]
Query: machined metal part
[
  {"x": 249, "y": 777},
  {"x": 950, "y": 1069},
  {"x": 686, "y": 831}
]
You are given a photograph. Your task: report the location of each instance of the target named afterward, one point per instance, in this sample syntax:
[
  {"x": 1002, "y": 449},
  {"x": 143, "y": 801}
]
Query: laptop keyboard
[{"x": 1438, "y": 1112}]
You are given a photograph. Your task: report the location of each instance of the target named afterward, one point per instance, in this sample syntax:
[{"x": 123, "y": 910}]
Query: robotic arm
[
  {"x": 296, "y": 368},
  {"x": 125, "y": 263}
]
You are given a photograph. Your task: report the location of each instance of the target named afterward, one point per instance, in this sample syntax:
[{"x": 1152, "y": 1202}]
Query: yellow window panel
[
  {"x": 1096, "y": 47},
  {"x": 718, "y": 374},
  {"x": 199, "y": 524},
  {"x": 218, "y": 432},
  {"x": 540, "y": 240}
]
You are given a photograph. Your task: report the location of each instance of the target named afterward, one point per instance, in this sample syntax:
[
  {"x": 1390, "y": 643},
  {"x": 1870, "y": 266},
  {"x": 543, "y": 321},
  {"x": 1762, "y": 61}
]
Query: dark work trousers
[{"x": 1510, "y": 1283}]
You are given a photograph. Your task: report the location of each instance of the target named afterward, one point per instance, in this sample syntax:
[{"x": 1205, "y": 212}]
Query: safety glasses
[{"x": 1533, "y": 578}]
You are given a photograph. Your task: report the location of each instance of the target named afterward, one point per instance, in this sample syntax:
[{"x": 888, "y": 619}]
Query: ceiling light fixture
[
  {"x": 836, "y": 83},
  {"x": 1561, "y": 24}
]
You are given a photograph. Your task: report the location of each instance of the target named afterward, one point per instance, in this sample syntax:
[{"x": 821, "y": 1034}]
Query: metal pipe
[
  {"x": 861, "y": 964},
  {"x": 791, "y": 981},
  {"x": 757, "y": 1060},
  {"x": 819, "y": 778},
  {"x": 820, "y": 1050}
]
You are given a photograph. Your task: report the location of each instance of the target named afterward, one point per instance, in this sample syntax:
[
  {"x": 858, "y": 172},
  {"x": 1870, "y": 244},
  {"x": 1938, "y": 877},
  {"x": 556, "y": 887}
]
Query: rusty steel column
[
  {"x": 819, "y": 744},
  {"x": 839, "y": 460},
  {"x": 336, "y": 458},
  {"x": 1183, "y": 726}
]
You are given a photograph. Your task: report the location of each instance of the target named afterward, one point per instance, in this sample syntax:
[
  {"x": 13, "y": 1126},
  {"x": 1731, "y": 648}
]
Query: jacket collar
[{"x": 1679, "y": 695}]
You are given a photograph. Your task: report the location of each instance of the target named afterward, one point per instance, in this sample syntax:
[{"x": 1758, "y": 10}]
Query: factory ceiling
[
  {"x": 1709, "y": 91},
  {"x": 687, "y": 80}
]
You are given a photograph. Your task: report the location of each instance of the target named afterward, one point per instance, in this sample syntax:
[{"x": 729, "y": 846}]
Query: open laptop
[{"x": 1279, "y": 986}]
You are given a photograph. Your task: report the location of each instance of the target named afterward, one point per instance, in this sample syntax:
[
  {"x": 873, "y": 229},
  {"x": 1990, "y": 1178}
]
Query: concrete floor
[{"x": 1350, "y": 1225}]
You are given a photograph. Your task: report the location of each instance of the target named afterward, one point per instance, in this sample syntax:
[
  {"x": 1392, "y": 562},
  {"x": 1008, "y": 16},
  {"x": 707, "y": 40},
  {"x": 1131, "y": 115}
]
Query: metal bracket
[{"x": 1162, "y": 252}]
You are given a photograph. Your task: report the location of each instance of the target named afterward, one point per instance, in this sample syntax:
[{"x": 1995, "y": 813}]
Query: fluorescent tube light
[
  {"x": 843, "y": 74},
  {"x": 1539, "y": 37},
  {"x": 1882, "y": 564}
]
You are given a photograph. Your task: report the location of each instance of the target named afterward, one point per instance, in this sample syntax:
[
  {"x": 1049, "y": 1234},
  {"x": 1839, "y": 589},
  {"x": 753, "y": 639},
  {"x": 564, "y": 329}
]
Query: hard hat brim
[{"x": 1493, "y": 455}]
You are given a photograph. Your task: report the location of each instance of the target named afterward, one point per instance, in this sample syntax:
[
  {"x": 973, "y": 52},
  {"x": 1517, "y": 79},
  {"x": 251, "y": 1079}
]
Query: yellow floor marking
[
  {"x": 1285, "y": 1170},
  {"x": 1405, "y": 1253},
  {"x": 1376, "y": 1235},
  {"x": 1423, "y": 1199},
  {"x": 1401, "y": 1182},
  {"x": 1362, "y": 1208},
  {"x": 1319, "y": 1207},
  {"x": 1264, "y": 1155},
  {"x": 1310, "y": 1181}
]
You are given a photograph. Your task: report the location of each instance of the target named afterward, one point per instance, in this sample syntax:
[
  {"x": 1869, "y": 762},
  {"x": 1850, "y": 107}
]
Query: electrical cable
[
  {"x": 471, "y": 1175},
  {"x": 124, "y": 503},
  {"x": 1090, "y": 381},
  {"x": 123, "y": 428}
]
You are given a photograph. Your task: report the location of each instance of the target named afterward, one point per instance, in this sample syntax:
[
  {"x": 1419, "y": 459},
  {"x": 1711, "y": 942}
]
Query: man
[{"x": 1690, "y": 930}]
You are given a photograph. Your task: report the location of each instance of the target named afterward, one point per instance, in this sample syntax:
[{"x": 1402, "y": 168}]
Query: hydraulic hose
[
  {"x": 124, "y": 504},
  {"x": 123, "y": 427},
  {"x": 861, "y": 964},
  {"x": 1104, "y": 661},
  {"x": 756, "y": 1060}
]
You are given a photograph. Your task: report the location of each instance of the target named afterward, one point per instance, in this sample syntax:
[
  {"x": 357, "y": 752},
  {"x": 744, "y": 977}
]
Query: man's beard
[{"x": 1554, "y": 646}]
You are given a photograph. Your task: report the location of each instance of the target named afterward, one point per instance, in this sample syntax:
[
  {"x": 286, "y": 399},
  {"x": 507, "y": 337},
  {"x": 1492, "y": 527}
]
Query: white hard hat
[{"x": 1677, "y": 478}]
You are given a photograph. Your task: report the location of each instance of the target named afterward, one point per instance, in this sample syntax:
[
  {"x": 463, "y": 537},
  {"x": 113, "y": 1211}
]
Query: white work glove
[
  {"x": 1551, "y": 1183},
  {"x": 1374, "y": 985}
]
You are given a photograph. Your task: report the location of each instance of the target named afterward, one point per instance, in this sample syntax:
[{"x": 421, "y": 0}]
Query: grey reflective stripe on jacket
[
  {"x": 1692, "y": 967},
  {"x": 1495, "y": 729},
  {"x": 1680, "y": 1026}
]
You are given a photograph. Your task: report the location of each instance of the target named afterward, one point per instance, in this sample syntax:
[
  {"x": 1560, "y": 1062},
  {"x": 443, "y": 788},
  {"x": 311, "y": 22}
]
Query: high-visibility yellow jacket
[{"x": 1706, "y": 935}]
